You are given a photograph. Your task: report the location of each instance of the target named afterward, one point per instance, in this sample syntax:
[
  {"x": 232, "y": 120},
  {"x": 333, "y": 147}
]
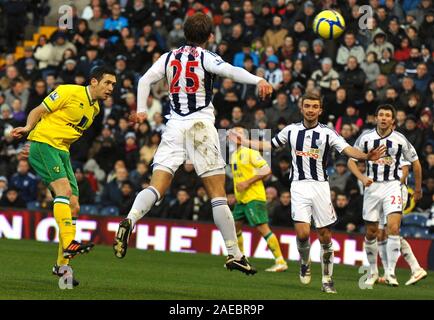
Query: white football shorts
[
  {"x": 381, "y": 199},
  {"x": 195, "y": 140},
  {"x": 312, "y": 199},
  {"x": 404, "y": 195}
]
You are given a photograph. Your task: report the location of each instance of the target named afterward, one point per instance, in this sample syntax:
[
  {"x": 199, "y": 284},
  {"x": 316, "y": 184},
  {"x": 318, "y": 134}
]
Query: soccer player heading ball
[
  {"x": 53, "y": 126},
  {"x": 310, "y": 143},
  {"x": 190, "y": 134}
]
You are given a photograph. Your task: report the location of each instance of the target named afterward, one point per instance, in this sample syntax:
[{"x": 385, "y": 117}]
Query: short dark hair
[
  {"x": 311, "y": 96},
  {"x": 198, "y": 28},
  {"x": 386, "y": 107},
  {"x": 99, "y": 72}
]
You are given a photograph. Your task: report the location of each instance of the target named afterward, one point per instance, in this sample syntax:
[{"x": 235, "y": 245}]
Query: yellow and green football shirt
[
  {"x": 71, "y": 112},
  {"x": 244, "y": 163}
]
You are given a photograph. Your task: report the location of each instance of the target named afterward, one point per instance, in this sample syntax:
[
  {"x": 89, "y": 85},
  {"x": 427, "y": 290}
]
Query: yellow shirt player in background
[
  {"x": 53, "y": 126},
  {"x": 248, "y": 170}
]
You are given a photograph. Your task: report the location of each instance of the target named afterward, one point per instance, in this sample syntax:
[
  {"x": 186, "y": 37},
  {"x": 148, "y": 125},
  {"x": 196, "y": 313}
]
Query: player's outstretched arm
[
  {"x": 352, "y": 166},
  {"x": 34, "y": 116},
  {"x": 253, "y": 144},
  {"x": 154, "y": 74},
  {"x": 216, "y": 65},
  {"x": 372, "y": 155},
  {"x": 417, "y": 170}
]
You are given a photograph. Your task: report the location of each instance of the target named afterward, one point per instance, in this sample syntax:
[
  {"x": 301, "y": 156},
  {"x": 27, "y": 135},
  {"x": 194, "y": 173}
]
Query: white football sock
[
  {"x": 408, "y": 255},
  {"x": 224, "y": 221},
  {"x": 393, "y": 252},
  {"x": 144, "y": 202},
  {"x": 382, "y": 250},
  {"x": 304, "y": 250},
  {"x": 371, "y": 249},
  {"x": 327, "y": 256}
]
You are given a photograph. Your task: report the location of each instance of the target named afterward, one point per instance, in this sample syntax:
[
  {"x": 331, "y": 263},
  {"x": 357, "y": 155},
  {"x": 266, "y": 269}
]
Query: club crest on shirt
[
  {"x": 392, "y": 151},
  {"x": 54, "y": 96}
]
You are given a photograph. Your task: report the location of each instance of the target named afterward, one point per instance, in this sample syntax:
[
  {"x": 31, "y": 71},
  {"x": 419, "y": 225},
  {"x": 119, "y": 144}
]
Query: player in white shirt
[
  {"x": 383, "y": 198},
  {"x": 311, "y": 143},
  {"x": 417, "y": 272},
  {"x": 190, "y": 132}
]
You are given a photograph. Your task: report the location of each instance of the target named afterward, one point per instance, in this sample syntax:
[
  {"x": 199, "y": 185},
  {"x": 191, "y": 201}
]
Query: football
[{"x": 329, "y": 24}]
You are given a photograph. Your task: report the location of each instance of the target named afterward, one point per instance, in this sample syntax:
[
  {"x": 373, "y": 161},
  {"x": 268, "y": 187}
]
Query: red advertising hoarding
[{"x": 189, "y": 236}]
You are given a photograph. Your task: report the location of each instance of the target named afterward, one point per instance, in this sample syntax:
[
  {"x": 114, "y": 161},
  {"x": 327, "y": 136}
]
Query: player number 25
[{"x": 189, "y": 74}]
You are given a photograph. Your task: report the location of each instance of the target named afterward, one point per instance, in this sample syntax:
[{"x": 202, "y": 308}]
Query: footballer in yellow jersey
[
  {"x": 248, "y": 170},
  {"x": 53, "y": 126}
]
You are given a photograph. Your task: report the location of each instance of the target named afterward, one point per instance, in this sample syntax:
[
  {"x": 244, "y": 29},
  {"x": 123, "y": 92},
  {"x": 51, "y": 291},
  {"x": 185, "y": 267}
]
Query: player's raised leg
[
  {"x": 214, "y": 185},
  {"x": 145, "y": 200},
  {"x": 280, "y": 264},
  {"x": 302, "y": 231},
  {"x": 371, "y": 249}
]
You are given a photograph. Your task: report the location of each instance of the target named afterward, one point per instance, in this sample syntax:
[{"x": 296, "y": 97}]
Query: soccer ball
[{"x": 329, "y": 24}]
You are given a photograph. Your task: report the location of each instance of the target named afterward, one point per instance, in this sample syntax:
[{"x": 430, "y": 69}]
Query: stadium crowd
[{"x": 390, "y": 63}]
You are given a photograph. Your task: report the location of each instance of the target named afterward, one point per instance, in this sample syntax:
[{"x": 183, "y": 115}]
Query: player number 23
[
  {"x": 396, "y": 200},
  {"x": 189, "y": 74}
]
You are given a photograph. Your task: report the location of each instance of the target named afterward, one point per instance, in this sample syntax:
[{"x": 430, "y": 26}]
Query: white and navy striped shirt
[
  {"x": 310, "y": 149},
  {"x": 398, "y": 151},
  {"x": 190, "y": 71}
]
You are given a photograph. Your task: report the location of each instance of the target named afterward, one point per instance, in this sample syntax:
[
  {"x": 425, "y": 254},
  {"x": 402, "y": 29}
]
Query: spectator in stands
[
  {"x": 25, "y": 181},
  {"x": 340, "y": 177},
  {"x": 115, "y": 23},
  {"x": 87, "y": 195},
  {"x": 3, "y": 185},
  {"x": 182, "y": 207},
  {"x": 280, "y": 109},
  {"x": 272, "y": 199},
  {"x": 44, "y": 197},
  {"x": 349, "y": 48},
  {"x": 147, "y": 151},
  {"x": 96, "y": 22},
  {"x": 139, "y": 175},
  {"x": 353, "y": 79},
  {"x": 12, "y": 199},
  {"x": 17, "y": 91},
  {"x": 246, "y": 52},
  {"x": 273, "y": 74},
  {"x": 37, "y": 94},
  {"x": 351, "y": 117},
  {"x": 428, "y": 195},
  {"x": 346, "y": 219},
  {"x": 324, "y": 77},
  {"x": 422, "y": 78},
  {"x": 185, "y": 178},
  {"x": 387, "y": 63},
  {"x": 112, "y": 194},
  {"x": 275, "y": 36},
  {"x": 176, "y": 36},
  {"x": 281, "y": 214},
  {"x": 131, "y": 151},
  {"x": 202, "y": 210},
  {"x": 413, "y": 133},
  {"x": 128, "y": 196},
  {"x": 370, "y": 67},
  {"x": 379, "y": 43}
]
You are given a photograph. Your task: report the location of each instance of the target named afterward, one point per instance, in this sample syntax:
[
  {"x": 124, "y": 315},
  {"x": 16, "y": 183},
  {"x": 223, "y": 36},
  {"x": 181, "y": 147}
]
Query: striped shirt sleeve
[
  {"x": 337, "y": 141},
  {"x": 281, "y": 138}
]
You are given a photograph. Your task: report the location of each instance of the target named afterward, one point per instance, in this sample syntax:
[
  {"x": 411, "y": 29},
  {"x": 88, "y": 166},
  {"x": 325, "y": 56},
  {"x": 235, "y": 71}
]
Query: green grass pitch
[{"x": 26, "y": 274}]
